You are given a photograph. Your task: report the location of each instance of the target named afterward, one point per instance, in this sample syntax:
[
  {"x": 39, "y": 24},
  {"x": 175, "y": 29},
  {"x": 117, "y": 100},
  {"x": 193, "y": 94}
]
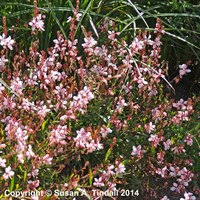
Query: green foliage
[{"x": 181, "y": 19}]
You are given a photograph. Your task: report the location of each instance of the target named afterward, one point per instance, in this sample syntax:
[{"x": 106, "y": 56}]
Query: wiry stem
[
  {"x": 35, "y": 8},
  {"x": 4, "y": 26}
]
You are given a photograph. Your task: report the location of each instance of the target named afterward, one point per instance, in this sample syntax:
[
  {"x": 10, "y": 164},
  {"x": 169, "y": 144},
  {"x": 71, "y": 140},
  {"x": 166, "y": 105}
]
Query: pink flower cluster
[
  {"x": 80, "y": 101},
  {"x": 15, "y": 131},
  {"x": 155, "y": 139},
  {"x": 37, "y": 23},
  {"x": 58, "y": 136},
  {"x": 110, "y": 173},
  {"x": 188, "y": 196},
  {"x": 137, "y": 151},
  {"x": 84, "y": 140},
  {"x": 17, "y": 85},
  {"x": 185, "y": 109},
  {"x": 65, "y": 106},
  {"x": 183, "y": 70},
  {"x": 89, "y": 44},
  {"x": 120, "y": 105},
  {"x": 105, "y": 131},
  {"x": 3, "y": 62},
  {"x": 8, "y": 173},
  {"x": 6, "y": 42},
  {"x": 183, "y": 177}
]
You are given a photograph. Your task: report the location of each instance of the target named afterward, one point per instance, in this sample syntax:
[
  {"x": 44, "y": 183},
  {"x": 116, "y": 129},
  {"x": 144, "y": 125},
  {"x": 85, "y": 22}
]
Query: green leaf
[
  {"x": 44, "y": 124},
  {"x": 20, "y": 168},
  {"x": 25, "y": 175},
  {"x": 11, "y": 186},
  {"x": 17, "y": 186},
  {"x": 107, "y": 154},
  {"x": 90, "y": 177}
]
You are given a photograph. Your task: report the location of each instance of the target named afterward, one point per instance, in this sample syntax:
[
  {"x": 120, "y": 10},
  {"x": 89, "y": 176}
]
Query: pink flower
[
  {"x": 158, "y": 114},
  {"x": 43, "y": 110},
  {"x": 69, "y": 115},
  {"x": 137, "y": 45},
  {"x": 9, "y": 43},
  {"x": 165, "y": 198},
  {"x": 82, "y": 138},
  {"x": 188, "y": 196},
  {"x": 174, "y": 172},
  {"x": 120, "y": 105},
  {"x": 37, "y": 23},
  {"x": 111, "y": 186},
  {"x": 162, "y": 172},
  {"x": 155, "y": 140},
  {"x": 179, "y": 149},
  {"x": 109, "y": 170},
  {"x": 17, "y": 85},
  {"x": 149, "y": 127},
  {"x": 90, "y": 146},
  {"x": 2, "y": 162},
  {"x": 153, "y": 92},
  {"x": 34, "y": 197},
  {"x": 185, "y": 176},
  {"x": 34, "y": 184},
  {"x": 2, "y": 146},
  {"x": 159, "y": 27},
  {"x": 188, "y": 162},
  {"x": 21, "y": 157},
  {"x": 176, "y": 188},
  {"x": 160, "y": 156},
  {"x": 98, "y": 182},
  {"x": 181, "y": 104},
  {"x": 66, "y": 185},
  {"x": 28, "y": 106},
  {"x": 8, "y": 173},
  {"x": 128, "y": 87},
  {"x": 69, "y": 19},
  {"x": 137, "y": 151},
  {"x": 6, "y": 42},
  {"x": 188, "y": 139},
  {"x": 167, "y": 144},
  {"x": 78, "y": 18},
  {"x": 2, "y": 88},
  {"x": 89, "y": 42},
  {"x": 34, "y": 173},
  {"x": 3, "y": 61},
  {"x": 58, "y": 42},
  {"x": 112, "y": 35},
  {"x": 120, "y": 168},
  {"x": 80, "y": 101},
  {"x": 156, "y": 43},
  {"x": 47, "y": 159},
  {"x": 141, "y": 82},
  {"x": 9, "y": 103},
  {"x": 184, "y": 115},
  {"x": 30, "y": 152},
  {"x": 183, "y": 70},
  {"x": 98, "y": 145},
  {"x": 58, "y": 135},
  {"x": 105, "y": 131},
  {"x": 147, "y": 39},
  {"x": 176, "y": 119}
]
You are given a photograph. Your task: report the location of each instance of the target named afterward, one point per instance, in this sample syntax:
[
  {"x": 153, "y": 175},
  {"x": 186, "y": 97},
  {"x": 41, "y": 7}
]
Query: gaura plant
[{"x": 96, "y": 118}]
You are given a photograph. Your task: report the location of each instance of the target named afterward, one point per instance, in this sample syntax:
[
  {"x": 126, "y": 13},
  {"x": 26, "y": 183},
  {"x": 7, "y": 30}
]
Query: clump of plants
[{"x": 97, "y": 117}]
